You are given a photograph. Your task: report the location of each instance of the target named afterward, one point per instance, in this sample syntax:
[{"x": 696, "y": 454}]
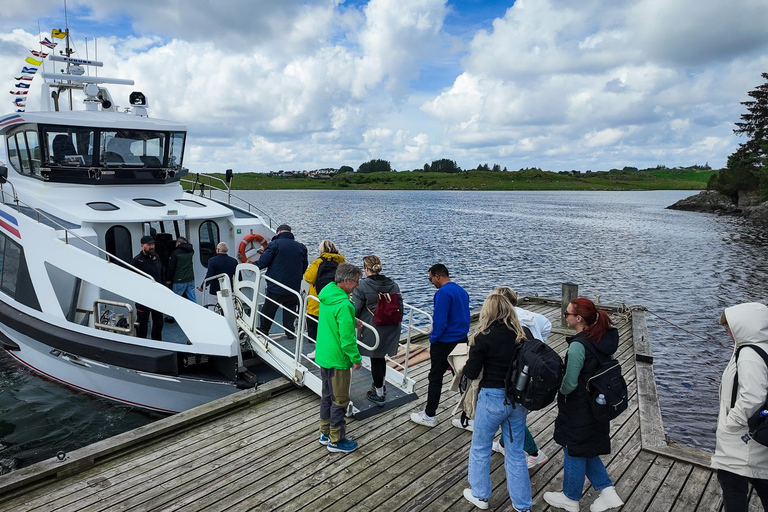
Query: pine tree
[{"x": 755, "y": 122}]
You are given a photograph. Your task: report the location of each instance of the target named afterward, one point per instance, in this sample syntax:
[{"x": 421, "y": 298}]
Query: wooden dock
[{"x": 258, "y": 450}]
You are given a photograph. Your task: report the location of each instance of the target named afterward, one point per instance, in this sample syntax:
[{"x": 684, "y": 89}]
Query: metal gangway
[{"x": 241, "y": 304}]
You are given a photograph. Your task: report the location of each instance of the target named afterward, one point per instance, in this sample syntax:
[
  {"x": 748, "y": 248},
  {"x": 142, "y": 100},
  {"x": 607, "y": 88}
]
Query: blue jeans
[
  {"x": 490, "y": 414},
  {"x": 180, "y": 288},
  {"x": 576, "y": 468}
]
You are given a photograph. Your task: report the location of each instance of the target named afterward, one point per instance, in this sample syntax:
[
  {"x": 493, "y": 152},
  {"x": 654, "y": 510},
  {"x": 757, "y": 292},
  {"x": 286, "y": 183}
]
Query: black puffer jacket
[
  {"x": 285, "y": 260},
  {"x": 576, "y": 427},
  {"x": 151, "y": 265}
]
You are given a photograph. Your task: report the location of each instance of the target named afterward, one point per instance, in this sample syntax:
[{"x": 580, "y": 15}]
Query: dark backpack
[
  {"x": 608, "y": 382},
  {"x": 387, "y": 309},
  {"x": 758, "y": 423},
  {"x": 534, "y": 375},
  {"x": 326, "y": 272}
]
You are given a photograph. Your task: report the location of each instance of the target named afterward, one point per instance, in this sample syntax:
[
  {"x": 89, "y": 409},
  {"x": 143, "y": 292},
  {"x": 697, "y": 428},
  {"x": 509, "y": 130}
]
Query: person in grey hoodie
[
  {"x": 738, "y": 462},
  {"x": 365, "y": 298}
]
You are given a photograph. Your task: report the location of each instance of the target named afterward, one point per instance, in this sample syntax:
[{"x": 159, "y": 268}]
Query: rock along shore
[{"x": 709, "y": 201}]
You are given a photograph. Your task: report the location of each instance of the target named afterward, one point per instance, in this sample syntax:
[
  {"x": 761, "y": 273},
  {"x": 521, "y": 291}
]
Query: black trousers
[
  {"x": 736, "y": 491},
  {"x": 290, "y": 309},
  {"x": 142, "y": 313},
  {"x": 438, "y": 355},
  {"x": 312, "y": 327},
  {"x": 378, "y": 371}
]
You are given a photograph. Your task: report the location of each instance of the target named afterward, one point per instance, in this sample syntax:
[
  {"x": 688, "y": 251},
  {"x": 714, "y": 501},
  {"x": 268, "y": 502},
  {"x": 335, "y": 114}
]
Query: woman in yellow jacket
[{"x": 328, "y": 252}]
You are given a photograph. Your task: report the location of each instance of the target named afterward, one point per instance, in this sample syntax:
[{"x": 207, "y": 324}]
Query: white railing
[{"x": 251, "y": 208}]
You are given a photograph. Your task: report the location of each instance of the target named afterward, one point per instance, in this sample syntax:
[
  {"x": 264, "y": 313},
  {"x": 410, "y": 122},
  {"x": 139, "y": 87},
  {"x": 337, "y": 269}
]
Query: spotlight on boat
[
  {"x": 229, "y": 175},
  {"x": 106, "y": 104},
  {"x": 137, "y": 99}
]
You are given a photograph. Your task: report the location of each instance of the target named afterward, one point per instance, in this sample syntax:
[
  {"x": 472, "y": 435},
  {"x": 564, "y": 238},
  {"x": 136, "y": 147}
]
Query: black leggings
[
  {"x": 736, "y": 490},
  {"x": 378, "y": 370}
]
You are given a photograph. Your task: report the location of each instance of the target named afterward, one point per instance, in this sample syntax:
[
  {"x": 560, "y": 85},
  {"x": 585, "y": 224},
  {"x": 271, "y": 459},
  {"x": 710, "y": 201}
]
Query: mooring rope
[{"x": 705, "y": 338}]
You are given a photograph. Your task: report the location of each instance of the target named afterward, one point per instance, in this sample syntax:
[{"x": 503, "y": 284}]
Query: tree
[
  {"x": 496, "y": 168},
  {"x": 747, "y": 167},
  {"x": 376, "y": 165},
  {"x": 442, "y": 165},
  {"x": 345, "y": 169}
]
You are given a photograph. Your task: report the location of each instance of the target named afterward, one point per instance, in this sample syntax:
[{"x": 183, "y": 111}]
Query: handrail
[
  {"x": 228, "y": 190},
  {"x": 67, "y": 232},
  {"x": 363, "y": 324}
]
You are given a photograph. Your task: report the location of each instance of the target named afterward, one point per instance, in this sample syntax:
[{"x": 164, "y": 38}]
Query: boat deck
[{"x": 248, "y": 452}]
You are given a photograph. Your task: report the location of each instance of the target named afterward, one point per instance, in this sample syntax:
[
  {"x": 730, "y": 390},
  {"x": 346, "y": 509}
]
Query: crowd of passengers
[{"x": 348, "y": 295}]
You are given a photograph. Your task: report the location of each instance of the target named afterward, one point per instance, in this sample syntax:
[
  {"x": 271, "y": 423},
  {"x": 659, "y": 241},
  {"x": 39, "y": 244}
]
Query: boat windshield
[{"x": 132, "y": 148}]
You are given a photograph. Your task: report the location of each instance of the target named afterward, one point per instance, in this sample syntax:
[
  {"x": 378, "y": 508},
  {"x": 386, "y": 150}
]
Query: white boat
[
  {"x": 86, "y": 179},
  {"x": 83, "y": 186}
]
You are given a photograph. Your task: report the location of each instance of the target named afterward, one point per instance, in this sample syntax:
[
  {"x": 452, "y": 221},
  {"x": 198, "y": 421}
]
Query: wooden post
[{"x": 570, "y": 292}]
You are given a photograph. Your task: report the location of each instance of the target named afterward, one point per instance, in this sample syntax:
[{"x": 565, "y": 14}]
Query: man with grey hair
[
  {"x": 336, "y": 352},
  {"x": 222, "y": 263}
]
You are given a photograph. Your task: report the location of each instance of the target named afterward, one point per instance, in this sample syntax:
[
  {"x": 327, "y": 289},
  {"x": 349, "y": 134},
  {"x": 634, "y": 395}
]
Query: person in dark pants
[
  {"x": 739, "y": 463},
  {"x": 450, "y": 326},
  {"x": 222, "y": 263},
  {"x": 148, "y": 262},
  {"x": 336, "y": 354},
  {"x": 285, "y": 260}
]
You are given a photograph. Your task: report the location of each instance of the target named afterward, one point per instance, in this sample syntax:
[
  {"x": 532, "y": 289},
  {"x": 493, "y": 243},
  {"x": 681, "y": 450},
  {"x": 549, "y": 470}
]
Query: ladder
[{"x": 241, "y": 304}]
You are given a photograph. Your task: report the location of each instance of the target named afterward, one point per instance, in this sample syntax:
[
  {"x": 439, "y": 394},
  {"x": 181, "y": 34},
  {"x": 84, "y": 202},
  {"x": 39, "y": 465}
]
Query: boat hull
[{"x": 151, "y": 391}]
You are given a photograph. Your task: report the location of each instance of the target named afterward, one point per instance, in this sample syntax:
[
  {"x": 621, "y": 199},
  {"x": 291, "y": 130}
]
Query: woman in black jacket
[
  {"x": 583, "y": 436},
  {"x": 491, "y": 351}
]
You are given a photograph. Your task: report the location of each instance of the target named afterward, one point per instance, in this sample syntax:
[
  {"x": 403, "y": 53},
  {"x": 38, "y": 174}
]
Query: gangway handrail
[
  {"x": 228, "y": 191},
  {"x": 67, "y": 232},
  {"x": 363, "y": 324}
]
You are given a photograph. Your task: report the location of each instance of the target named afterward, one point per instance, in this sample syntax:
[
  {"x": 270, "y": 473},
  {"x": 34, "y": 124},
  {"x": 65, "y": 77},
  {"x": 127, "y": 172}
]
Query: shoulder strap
[{"x": 735, "y": 390}]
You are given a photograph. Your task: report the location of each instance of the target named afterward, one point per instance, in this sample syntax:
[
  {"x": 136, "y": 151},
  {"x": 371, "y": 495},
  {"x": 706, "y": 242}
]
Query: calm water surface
[{"x": 624, "y": 246}]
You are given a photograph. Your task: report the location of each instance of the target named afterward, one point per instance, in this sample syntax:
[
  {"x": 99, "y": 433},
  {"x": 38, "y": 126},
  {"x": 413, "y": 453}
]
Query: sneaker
[
  {"x": 456, "y": 422},
  {"x": 500, "y": 449},
  {"x": 311, "y": 355},
  {"x": 343, "y": 446},
  {"x": 324, "y": 439},
  {"x": 560, "y": 500},
  {"x": 422, "y": 419},
  {"x": 608, "y": 499},
  {"x": 377, "y": 399},
  {"x": 483, "y": 504},
  {"x": 520, "y": 509},
  {"x": 373, "y": 388},
  {"x": 538, "y": 460}
]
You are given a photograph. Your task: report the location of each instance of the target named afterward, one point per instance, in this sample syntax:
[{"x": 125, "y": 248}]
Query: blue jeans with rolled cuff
[{"x": 576, "y": 468}]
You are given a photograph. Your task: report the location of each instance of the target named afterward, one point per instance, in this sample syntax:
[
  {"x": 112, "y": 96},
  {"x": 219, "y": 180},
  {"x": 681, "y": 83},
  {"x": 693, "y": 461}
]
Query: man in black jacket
[
  {"x": 285, "y": 260},
  {"x": 149, "y": 263},
  {"x": 222, "y": 263}
]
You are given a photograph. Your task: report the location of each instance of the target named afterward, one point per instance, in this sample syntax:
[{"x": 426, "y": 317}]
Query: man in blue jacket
[
  {"x": 285, "y": 260},
  {"x": 450, "y": 326}
]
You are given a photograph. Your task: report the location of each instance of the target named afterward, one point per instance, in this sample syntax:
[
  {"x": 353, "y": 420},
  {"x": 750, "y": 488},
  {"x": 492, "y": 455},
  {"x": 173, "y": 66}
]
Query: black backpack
[
  {"x": 326, "y": 272},
  {"x": 758, "y": 423},
  {"x": 534, "y": 375},
  {"x": 606, "y": 387}
]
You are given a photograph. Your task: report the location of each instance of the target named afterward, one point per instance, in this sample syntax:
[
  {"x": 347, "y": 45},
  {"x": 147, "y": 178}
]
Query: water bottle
[
  {"x": 764, "y": 413},
  {"x": 522, "y": 379},
  {"x": 600, "y": 399}
]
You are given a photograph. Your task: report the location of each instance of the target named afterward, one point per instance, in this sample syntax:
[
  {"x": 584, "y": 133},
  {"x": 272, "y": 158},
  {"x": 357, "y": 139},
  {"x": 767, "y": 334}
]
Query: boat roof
[{"x": 90, "y": 119}]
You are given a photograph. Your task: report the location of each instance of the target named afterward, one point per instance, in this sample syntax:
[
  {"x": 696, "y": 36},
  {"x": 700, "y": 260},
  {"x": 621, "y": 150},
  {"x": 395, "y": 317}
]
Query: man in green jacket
[{"x": 336, "y": 352}]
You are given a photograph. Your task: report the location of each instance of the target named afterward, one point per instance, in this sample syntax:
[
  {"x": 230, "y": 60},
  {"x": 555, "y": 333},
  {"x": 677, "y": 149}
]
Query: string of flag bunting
[{"x": 28, "y": 72}]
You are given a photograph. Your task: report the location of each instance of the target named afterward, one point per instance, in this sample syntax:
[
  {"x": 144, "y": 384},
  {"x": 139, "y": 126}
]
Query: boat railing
[
  {"x": 67, "y": 232},
  {"x": 201, "y": 186}
]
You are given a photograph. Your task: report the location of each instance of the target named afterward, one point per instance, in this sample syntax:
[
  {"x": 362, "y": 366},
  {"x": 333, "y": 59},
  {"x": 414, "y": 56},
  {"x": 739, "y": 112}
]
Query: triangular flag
[
  {"x": 34, "y": 62},
  {"x": 45, "y": 42},
  {"x": 19, "y": 93},
  {"x": 28, "y": 78},
  {"x": 38, "y": 54}
]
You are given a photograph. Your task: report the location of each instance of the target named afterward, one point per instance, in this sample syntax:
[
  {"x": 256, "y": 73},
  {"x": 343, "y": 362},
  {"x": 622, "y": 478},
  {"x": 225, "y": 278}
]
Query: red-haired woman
[{"x": 583, "y": 436}]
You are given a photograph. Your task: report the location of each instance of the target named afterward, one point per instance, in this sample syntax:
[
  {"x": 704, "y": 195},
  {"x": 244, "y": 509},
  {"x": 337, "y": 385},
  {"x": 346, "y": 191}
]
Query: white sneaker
[
  {"x": 422, "y": 419},
  {"x": 608, "y": 499},
  {"x": 456, "y": 422},
  {"x": 498, "y": 448},
  {"x": 538, "y": 460},
  {"x": 560, "y": 500},
  {"x": 475, "y": 501},
  {"x": 311, "y": 355}
]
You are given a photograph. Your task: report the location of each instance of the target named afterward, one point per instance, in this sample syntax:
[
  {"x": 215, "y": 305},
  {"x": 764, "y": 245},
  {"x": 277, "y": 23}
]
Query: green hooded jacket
[{"x": 336, "y": 339}]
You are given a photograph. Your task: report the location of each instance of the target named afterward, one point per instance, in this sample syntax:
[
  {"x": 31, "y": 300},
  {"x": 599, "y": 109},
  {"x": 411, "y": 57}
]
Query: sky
[{"x": 557, "y": 84}]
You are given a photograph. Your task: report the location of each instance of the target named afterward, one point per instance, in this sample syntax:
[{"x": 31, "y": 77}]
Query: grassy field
[{"x": 530, "y": 179}]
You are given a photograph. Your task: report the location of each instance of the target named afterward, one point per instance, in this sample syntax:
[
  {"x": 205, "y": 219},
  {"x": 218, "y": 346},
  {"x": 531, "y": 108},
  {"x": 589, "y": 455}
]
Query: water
[{"x": 624, "y": 246}]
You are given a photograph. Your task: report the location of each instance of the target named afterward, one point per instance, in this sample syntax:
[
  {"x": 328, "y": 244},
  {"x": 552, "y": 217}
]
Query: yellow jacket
[{"x": 313, "y": 306}]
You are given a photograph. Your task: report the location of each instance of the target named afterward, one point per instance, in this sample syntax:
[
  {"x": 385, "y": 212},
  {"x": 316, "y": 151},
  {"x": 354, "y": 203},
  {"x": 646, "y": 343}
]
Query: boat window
[
  {"x": 176, "y": 151},
  {"x": 209, "y": 239},
  {"x": 33, "y": 143},
  {"x": 11, "y": 258},
  {"x": 13, "y": 153},
  {"x": 103, "y": 206},
  {"x": 21, "y": 143},
  {"x": 14, "y": 274},
  {"x": 70, "y": 146},
  {"x": 149, "y": 202},
  {"x": 189, "y": 202},
  {"x": 118, "y": 243},
  {"x": 132, "y": 148}
]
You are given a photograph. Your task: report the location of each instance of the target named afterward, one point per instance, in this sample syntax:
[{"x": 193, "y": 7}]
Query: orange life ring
[{"x": 249, "y": 243}]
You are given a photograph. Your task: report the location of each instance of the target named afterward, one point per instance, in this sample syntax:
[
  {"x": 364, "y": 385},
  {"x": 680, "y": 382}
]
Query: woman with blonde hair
[
  {"x": 365, "y": 298},
  {"x": 491, "y": 351},
  {"x": 328, "y": 253}
]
